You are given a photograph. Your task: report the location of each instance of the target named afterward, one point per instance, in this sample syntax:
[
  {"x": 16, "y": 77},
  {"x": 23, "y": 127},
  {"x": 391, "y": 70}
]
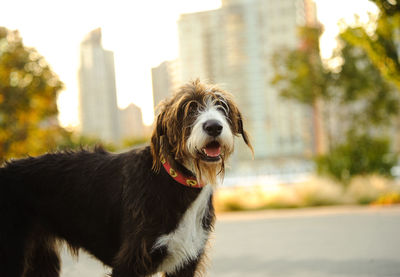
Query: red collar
[{"x": 179, "y": 177}]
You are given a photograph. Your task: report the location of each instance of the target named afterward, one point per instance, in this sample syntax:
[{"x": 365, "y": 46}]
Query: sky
[{"x": 142, "y": 34}]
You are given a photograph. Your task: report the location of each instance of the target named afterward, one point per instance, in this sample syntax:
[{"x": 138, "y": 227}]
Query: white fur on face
[{"x": 199, "y": 138}]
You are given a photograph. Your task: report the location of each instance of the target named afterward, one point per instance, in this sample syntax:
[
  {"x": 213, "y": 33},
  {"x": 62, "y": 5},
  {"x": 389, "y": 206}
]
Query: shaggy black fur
[{"x": 114, "y": 206}]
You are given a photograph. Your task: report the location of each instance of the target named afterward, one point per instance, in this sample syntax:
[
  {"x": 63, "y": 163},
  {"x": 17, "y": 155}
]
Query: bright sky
[{"x": 142, "y": 34}]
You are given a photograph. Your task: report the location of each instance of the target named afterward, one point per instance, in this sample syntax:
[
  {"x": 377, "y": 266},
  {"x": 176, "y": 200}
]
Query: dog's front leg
[
  {"x": 123, "y": 273},
  {"x": 189, "y": 270}
]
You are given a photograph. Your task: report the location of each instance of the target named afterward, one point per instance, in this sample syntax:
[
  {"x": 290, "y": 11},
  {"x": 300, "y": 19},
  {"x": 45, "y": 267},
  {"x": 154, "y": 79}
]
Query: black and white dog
[{"x": 140, "y": 212}]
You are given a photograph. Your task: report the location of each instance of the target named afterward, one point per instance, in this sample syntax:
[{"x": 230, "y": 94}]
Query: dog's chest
[{"x": 189, "y": 238}]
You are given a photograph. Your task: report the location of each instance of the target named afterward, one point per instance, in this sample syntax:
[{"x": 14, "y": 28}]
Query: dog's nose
[{"x": 213, "y": 127}]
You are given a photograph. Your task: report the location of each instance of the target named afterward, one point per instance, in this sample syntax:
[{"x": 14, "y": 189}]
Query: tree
[
  {"x": 366, "y": 107},
  {"x": 28, "y": 94},
  {"x": 365, "y": 104},
  {"x": 382, "y": 45},
  {"x": 366, "y": 98},
  {"x": 300, "y": 75}
]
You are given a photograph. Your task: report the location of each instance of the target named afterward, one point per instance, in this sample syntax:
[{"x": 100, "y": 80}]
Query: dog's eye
[
  {"x": 192, "y": 108},
  {"x": 221, "y": 106},
  {"x": 223, "y": 110}
]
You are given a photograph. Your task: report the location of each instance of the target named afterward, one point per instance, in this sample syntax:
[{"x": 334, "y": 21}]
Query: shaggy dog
[{"x": 141, "y": 212}]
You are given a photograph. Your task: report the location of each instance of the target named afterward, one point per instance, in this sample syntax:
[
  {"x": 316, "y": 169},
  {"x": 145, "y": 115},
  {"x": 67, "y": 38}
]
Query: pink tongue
[{"x": 213, "y": 151}]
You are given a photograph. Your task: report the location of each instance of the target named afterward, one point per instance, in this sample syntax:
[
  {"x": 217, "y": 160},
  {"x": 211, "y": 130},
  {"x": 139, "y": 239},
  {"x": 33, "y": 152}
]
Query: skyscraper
[
  {"x": 233, "y": 46},
  {"x": 165, "y": 80},
  {"x": 97, "y": 90},
  {"x": 131, "y": 122}
]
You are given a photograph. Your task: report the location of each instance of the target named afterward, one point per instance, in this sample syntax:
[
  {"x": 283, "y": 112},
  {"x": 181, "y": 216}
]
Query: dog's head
[{"x": 196, "y": 128}]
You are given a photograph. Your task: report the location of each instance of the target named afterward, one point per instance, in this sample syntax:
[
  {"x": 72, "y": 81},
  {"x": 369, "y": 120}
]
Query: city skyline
[
  {"x": 99, "y": 114},
  {"x": 234, "y": 46},
  {"x": 57, "y": 38}
]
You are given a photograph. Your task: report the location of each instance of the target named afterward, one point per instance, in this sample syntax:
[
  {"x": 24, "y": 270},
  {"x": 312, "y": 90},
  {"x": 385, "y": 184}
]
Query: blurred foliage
[
  {"x": 381, "y": 45},
  {"x": 365, "y": 104},
  {"x": 369, "y": 106},
  {"x": 363, "y": 95},
  {"x": 315, "y": 191},
  {"x": 134, "y": 141},
  {"x": 28, "y": 94},
  {"x": 388, "y": 199},
  {"x": 71, "y": 141},
  {"x": 358, "y": 155},
  {"x": 300, "y": 74}
]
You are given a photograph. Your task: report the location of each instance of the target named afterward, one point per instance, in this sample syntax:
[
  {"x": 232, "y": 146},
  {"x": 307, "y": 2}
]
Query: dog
[{"x": 141, "y": 212}]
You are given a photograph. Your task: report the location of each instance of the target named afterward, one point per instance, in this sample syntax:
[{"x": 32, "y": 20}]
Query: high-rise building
[
  {"x": 165, "y": 80},
  {"x": 97, "y": 91},
  {"x": 233, "y": 46},
  {"x": 132, "y": 122}
]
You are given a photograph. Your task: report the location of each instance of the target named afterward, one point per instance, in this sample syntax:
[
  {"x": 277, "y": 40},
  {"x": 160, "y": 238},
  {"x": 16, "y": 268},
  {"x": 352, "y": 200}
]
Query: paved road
[{"x": 325, "y": 242}]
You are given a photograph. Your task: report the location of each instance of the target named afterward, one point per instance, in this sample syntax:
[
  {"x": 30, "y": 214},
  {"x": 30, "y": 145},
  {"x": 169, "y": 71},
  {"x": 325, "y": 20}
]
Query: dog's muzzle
[{"x": 212, "y": 151}]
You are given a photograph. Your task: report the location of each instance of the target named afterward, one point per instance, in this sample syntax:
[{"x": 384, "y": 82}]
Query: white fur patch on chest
[{"x": 189, "y": 238}]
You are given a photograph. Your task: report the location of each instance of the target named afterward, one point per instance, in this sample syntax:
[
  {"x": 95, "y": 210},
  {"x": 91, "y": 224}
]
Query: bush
[
  {"x": 259, "y": 196},
  {"x": 359, "y": 155},
  {"x": 388, "y": 199},
  {"x": 313, "y": 192}
]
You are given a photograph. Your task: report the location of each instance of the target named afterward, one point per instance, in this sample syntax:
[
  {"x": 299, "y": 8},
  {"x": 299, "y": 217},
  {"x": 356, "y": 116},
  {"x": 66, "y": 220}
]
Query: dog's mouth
[{"x": 211, "y": 152}]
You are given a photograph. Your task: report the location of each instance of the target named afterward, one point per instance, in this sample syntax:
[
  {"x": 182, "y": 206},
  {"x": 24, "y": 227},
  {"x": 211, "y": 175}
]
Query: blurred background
[{"x": 318, "y": 83}]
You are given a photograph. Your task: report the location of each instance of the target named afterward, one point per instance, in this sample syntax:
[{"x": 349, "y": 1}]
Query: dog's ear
[
  {"x": 157, "y": 139},
  {"x": 237, "y": 121},
  {"x": 244, "y": 134}
]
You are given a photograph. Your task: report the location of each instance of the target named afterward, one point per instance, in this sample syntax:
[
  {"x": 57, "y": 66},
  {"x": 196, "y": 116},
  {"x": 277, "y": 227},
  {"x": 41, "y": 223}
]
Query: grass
[{"x": 311, "y": 193}]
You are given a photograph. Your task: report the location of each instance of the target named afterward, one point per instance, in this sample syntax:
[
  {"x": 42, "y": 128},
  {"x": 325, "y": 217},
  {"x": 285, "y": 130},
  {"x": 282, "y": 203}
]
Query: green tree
[
  {"x": 300, "y": 75},
  {"x": 363, "y": 102},
  {"x": 383, "y": 43},
  {"x": 363, "y": 95},
  {"x": 366, "y": 108},
  {"x": 28, "y": 94}
]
